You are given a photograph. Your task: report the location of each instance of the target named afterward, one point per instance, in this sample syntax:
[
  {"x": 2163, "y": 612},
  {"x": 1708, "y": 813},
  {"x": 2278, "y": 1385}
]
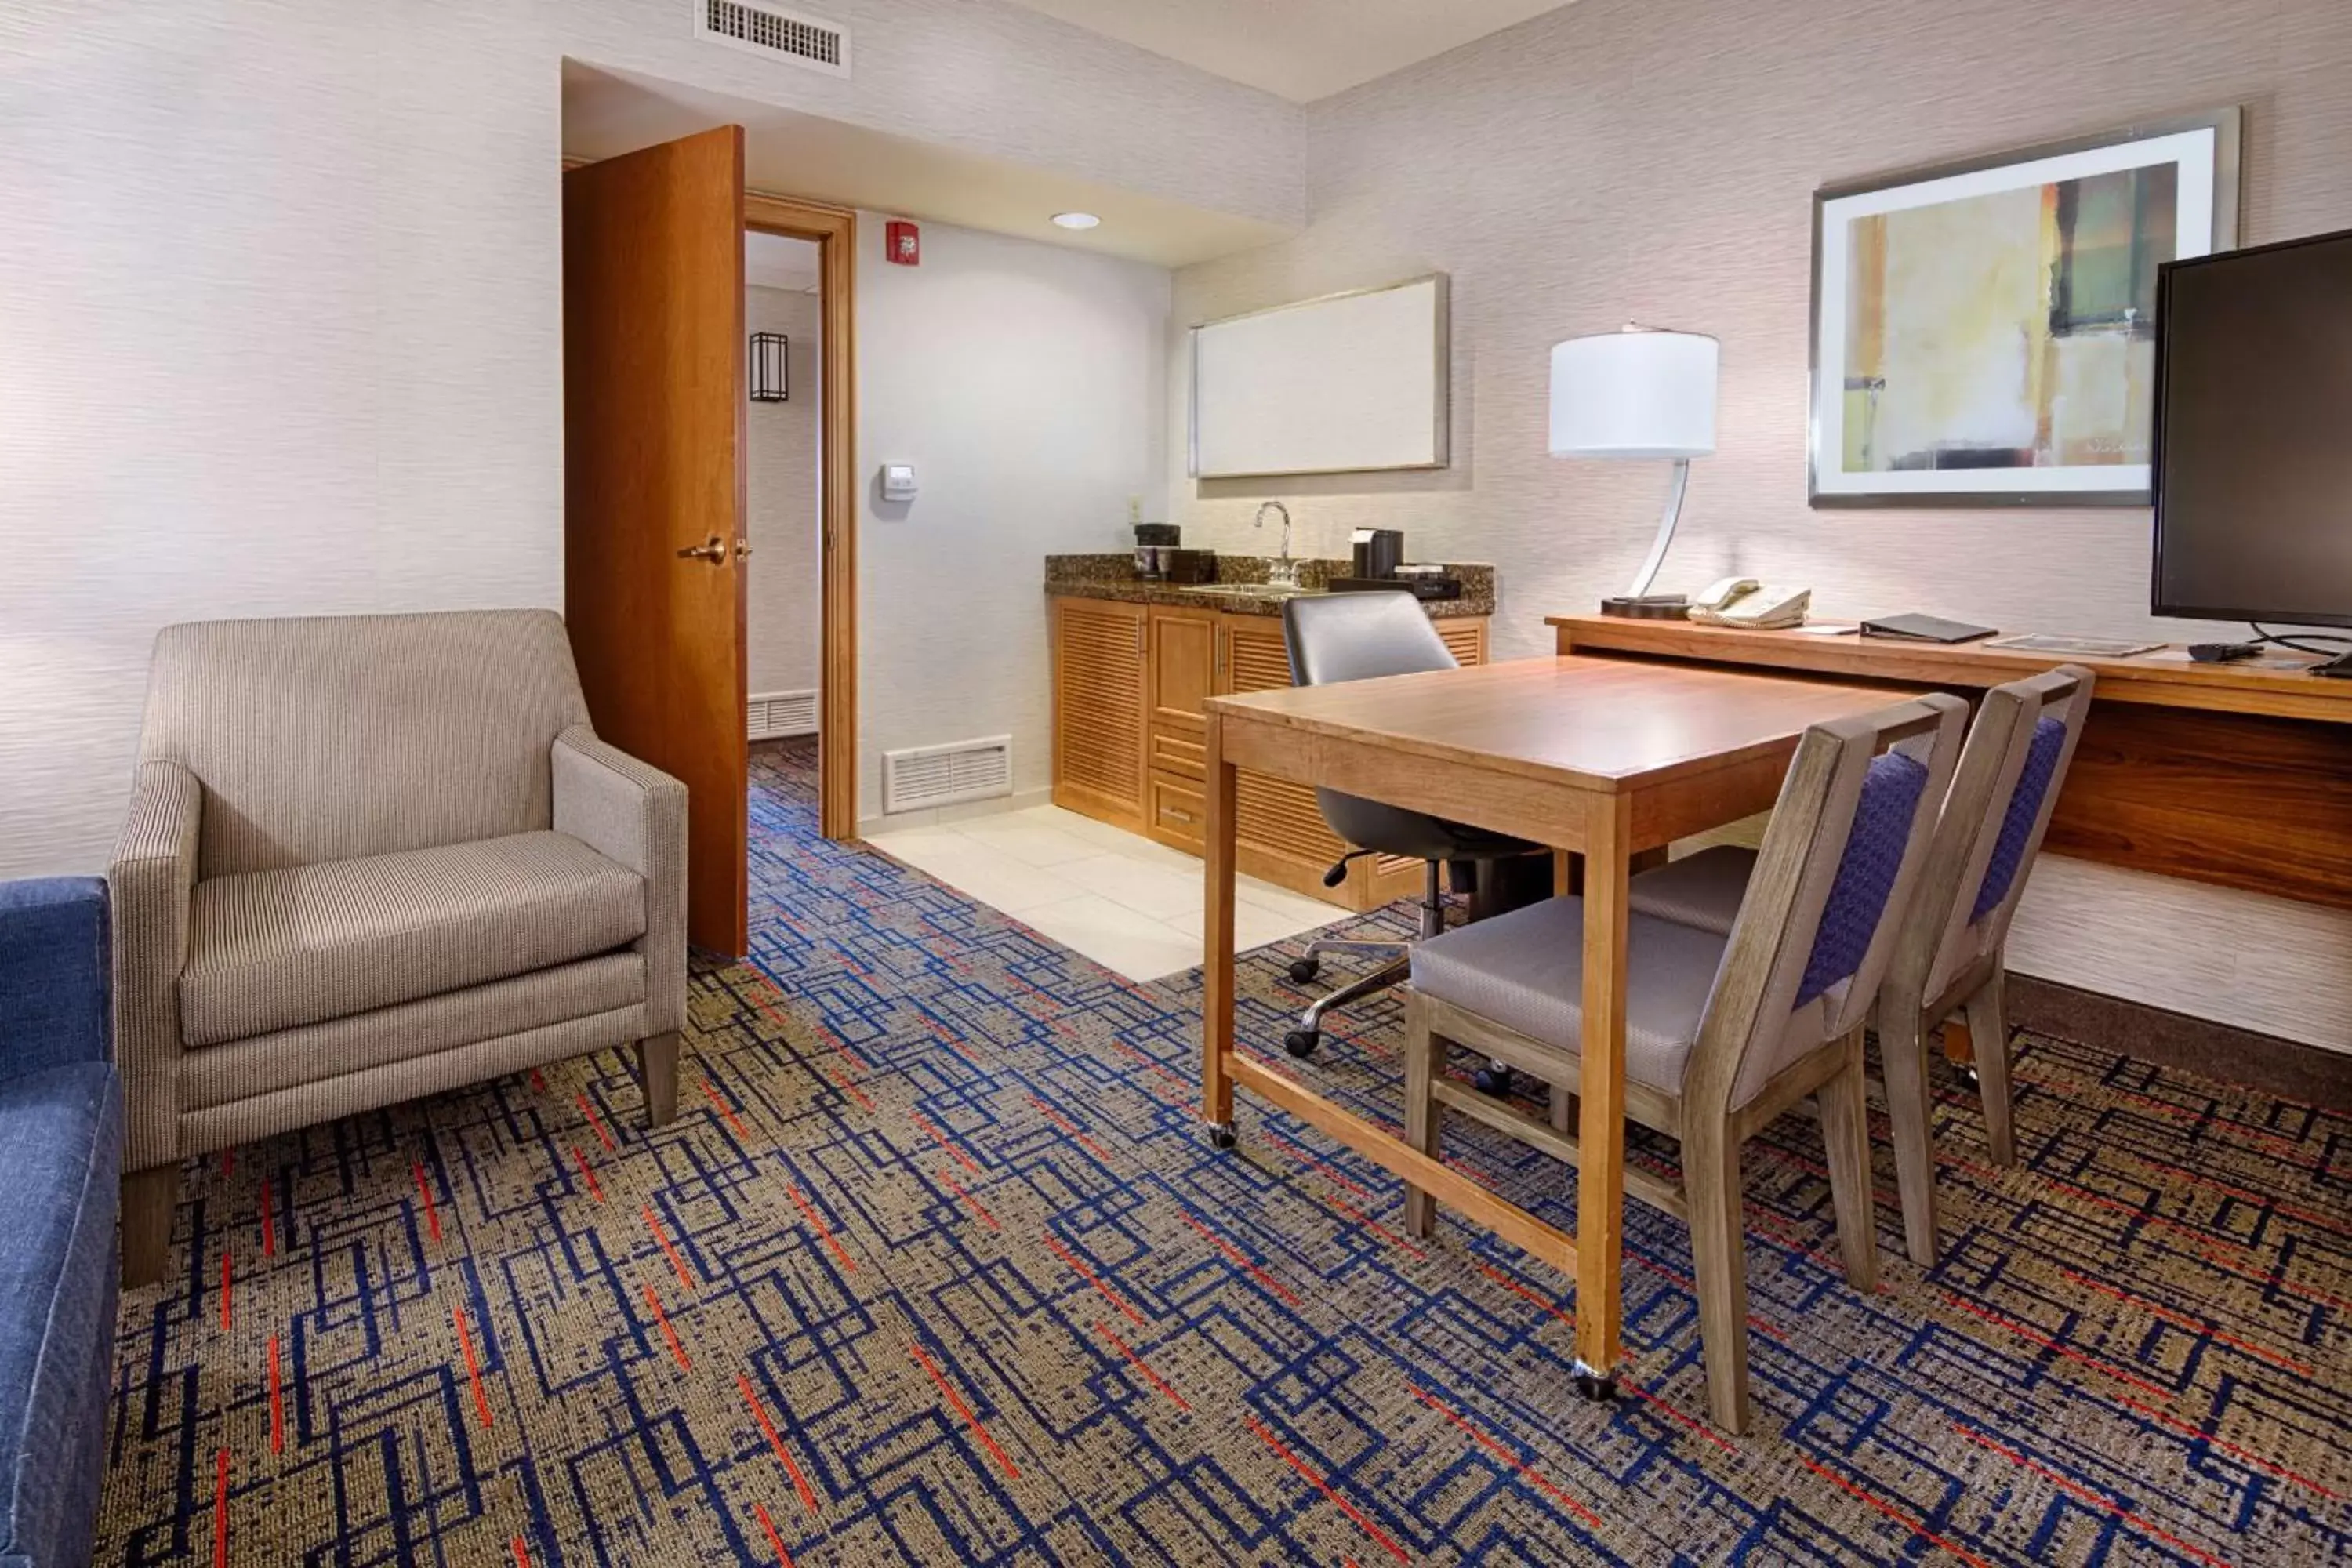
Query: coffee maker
[
  {"x": 1378, "y": 551},
  {"x": 1155, "y": 544}
]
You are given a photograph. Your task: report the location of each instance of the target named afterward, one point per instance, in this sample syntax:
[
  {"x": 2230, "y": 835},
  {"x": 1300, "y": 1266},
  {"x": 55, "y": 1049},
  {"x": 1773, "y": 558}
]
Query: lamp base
[{"x": 1647, "y": 607}]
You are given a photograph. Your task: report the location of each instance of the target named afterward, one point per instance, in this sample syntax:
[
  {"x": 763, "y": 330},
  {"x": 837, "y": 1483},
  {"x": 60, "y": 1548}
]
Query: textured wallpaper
[
  {"x": 280, "y": 313},
  {"x": 1654, "y": 161},
  {"x": 780, "y": 473}
]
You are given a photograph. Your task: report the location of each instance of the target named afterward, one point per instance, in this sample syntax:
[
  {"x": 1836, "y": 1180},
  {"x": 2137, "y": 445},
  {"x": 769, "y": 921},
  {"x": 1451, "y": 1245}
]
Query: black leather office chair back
[
  {"x": 1360, "y": 636},
  {"x": 1357, "y": 637}
]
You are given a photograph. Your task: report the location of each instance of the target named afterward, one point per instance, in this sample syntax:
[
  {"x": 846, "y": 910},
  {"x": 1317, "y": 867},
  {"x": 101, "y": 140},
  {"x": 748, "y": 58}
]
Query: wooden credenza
[
  {"x": 1129, "y": 680},
  {"x": 2198, "y": 870}
]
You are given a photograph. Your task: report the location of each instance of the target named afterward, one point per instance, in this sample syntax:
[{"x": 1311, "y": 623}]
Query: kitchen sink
[{"x": 1245, "y": 590}]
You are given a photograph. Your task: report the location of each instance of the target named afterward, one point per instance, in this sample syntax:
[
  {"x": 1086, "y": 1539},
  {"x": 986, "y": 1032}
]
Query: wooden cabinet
[
  {"x": 1183, "y": 661},
  {"x": 1100, "y": 726},
  {"x": 1134, "y": 754}
]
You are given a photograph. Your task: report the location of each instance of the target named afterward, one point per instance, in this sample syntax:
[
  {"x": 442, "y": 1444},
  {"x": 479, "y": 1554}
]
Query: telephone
[{"x": 1746, "y": 602}]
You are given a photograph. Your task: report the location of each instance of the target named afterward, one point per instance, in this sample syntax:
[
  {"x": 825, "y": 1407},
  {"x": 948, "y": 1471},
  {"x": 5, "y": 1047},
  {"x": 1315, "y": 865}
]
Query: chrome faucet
[{"x": 1284, "y": 573}]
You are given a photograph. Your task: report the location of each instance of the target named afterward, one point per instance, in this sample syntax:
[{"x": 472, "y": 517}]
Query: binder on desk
[{"x": 1924, "y": 629}]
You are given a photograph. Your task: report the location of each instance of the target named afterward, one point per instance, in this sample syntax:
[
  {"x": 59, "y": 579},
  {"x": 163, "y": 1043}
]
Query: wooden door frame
[{"x": 835, "y": 232}]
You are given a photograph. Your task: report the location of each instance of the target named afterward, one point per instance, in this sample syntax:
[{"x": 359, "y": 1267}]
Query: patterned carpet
[{"x": 932, "y": 1268}]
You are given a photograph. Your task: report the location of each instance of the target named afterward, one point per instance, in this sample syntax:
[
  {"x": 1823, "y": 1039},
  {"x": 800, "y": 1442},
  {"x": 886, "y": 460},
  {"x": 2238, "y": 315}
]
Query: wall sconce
[{"x": 772, "y": 367}]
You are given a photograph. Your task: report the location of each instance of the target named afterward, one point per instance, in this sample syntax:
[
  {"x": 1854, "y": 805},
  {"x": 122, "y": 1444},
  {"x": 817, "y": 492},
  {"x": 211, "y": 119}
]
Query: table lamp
[{"x": 1637, "y": 393}]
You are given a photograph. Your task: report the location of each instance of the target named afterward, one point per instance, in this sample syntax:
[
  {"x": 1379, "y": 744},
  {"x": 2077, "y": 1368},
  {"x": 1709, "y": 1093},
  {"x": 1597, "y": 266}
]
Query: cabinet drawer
[
  {"x": 1179, "y": 816},
  {"x": 1182, "y": 754}
]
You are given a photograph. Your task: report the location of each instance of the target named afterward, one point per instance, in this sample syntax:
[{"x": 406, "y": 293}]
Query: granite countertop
[{"x": 1113, "y": 577}]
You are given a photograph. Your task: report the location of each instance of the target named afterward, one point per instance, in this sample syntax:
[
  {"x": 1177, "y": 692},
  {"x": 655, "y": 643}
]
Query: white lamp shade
[{"x": 1633, "y": 393}]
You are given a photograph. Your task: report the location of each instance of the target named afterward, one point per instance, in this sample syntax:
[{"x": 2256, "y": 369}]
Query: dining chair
[
  {"x": 1723, "y": 1032},
  {"x": 1950, "y": 957}
]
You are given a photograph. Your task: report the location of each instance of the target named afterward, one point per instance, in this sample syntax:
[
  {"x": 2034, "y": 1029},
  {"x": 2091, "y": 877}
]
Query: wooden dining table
[{"x": 1602, "y": 758}]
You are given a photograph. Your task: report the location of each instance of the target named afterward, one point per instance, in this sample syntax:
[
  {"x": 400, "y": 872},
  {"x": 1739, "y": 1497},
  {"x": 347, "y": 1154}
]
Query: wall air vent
[
  {"x": 776, "y": 714},
  {"x": 775, "y": 32},
  {"x": 943, "y": 776}
]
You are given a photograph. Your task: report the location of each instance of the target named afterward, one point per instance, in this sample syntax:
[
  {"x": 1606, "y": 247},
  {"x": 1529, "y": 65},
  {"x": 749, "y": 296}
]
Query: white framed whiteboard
[{"x": 1347, "y": 383}]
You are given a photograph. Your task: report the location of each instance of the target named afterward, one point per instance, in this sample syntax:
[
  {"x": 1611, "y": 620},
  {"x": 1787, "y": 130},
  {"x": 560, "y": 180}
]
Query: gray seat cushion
[
  {"x": 1525, "y": 971},
  {"x": 1703, "y": 890},
  {"x": 275, "y": 950}
]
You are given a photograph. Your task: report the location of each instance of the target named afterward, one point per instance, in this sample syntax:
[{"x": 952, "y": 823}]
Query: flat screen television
[{"x": 2252, "y": 464}]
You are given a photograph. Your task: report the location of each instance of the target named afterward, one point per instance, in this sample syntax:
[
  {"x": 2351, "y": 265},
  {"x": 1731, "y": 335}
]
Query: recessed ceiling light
[{"x": 1076, "y": 220}]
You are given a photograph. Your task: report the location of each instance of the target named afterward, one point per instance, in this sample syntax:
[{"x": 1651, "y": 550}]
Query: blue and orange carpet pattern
[{"x": 933, "y": 1268}]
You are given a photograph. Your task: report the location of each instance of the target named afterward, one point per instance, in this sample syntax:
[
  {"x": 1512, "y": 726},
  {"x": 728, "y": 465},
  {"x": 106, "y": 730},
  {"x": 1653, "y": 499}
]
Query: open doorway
[
  {"x": 799, "y": 261},
  {"x": 783, "y": 312}
]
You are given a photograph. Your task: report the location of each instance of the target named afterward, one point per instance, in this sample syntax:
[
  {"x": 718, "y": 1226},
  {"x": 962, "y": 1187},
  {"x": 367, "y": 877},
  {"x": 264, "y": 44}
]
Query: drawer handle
[{"x": 1173, "y": 815}]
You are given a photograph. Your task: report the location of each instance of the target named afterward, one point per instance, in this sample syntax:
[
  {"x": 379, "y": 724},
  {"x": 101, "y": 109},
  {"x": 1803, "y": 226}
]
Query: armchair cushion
[
  {"x": 61, "y": 1146},
  {"x": 275, "y": 950}
]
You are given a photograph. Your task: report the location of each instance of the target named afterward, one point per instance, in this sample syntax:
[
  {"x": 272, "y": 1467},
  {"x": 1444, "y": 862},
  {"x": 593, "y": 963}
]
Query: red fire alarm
[{"x": 902, "y": 242}]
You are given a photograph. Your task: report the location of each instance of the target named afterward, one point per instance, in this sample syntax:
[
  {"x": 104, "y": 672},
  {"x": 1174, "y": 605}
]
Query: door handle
[{"x": 713, "y": 550}]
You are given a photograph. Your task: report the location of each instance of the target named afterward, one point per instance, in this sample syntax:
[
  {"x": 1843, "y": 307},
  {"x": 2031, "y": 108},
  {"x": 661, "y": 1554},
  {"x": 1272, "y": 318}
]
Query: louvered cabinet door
[
  {"x": 1276, "y": 820},
  {"x": 1101, "y": 692}
]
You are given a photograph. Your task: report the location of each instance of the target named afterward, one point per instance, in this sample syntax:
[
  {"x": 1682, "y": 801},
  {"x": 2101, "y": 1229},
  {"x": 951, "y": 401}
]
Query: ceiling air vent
[
  {"x": 943, "y": 776},
  {"x": 776, "y": 33},
  {"x": 775, "y": 714}
]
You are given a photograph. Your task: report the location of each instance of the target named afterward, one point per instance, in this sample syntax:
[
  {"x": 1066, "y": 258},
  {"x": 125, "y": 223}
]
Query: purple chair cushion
[
  {"x": 2042, "y": 754},
  {"x": 1883, "y": 819}
]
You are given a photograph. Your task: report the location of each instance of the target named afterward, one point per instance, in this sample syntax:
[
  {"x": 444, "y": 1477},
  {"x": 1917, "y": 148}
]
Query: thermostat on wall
[{"x": 898, "y": 482}]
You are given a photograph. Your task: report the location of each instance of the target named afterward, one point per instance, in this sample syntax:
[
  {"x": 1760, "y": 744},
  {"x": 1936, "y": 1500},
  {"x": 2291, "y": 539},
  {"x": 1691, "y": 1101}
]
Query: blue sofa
[{"x": 60, "y": 1163}]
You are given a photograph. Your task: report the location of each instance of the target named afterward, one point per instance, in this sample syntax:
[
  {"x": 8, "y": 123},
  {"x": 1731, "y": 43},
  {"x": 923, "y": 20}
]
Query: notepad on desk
[{"x": 1924, "y": 629}]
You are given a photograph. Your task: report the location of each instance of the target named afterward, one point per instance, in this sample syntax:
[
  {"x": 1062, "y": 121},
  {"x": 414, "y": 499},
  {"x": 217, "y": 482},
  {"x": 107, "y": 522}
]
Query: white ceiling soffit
[
  {"x": 791, "y": 153},
  {"x": 1297, "y": 49}
]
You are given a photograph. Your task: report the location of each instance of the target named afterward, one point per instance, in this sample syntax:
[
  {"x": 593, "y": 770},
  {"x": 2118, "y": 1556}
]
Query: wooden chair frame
[{"x": 1929, "y": 953}]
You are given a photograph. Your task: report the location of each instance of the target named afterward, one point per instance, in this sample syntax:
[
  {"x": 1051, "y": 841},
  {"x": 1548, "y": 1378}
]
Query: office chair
[
  {"x": 1953, "y": 949},
  {"x": 1359, "y": 636}
]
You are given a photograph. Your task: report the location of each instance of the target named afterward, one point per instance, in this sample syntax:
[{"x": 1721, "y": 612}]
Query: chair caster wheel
[
  {"x": 1301, "y": 1042},
  {"x": 1594, "y": 1387},
  {"x": 1304, "y": 970},
  {"x": 1494, "y": 1080},
  {"x": 1965, "y": 1073},
  {"x": 1222, "y": 1135}
]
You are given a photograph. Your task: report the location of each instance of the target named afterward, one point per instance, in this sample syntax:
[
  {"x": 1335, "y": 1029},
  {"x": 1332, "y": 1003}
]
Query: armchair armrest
[
  {"x": 54, "y": 983},
  {"x": 152, "y": 877},
  {"x": 632, "y": 813}
]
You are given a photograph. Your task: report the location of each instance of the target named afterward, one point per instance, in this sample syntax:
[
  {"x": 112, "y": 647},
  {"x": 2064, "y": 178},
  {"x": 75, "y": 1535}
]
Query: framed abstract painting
[{"x": 1984, "y": 332}]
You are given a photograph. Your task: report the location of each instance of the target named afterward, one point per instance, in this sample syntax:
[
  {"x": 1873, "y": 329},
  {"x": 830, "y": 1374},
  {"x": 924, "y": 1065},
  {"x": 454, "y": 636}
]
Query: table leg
[
  {"x": 1217, "y": 932},
  {"x": 1600, "y": 1170}
]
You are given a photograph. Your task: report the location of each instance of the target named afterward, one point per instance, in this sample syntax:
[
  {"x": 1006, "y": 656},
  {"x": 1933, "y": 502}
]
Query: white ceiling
[
  {"x": 1300, "y": 50},
  {"x": 792, "y": 153}
]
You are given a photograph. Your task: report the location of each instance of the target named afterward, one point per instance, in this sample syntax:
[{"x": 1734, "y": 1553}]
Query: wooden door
[
  {"x": 654, "y": 556},
  {"x": 1101, "y": 709}
]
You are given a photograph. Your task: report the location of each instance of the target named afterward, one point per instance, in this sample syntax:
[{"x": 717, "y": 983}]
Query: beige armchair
[{"x": 370, "y": 858}]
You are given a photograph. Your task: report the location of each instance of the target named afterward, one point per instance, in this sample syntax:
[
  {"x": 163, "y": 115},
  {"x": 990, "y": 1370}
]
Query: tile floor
[{"x": 1122, "y": 900}]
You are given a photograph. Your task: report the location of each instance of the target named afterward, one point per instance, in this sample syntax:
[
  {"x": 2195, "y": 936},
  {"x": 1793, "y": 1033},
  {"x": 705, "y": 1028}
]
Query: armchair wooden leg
[
  {"x": 1718, "y": 1238},
  {"x": 150, "y": 1198},
  {"x": 1845, "y": 1130},
  {"x": 658, "y": 1074},
  {"x": 1903, "y": 1049},
  {"x": 1422, "y": 1111},
  {"x": 1987, "y": 1014}
]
